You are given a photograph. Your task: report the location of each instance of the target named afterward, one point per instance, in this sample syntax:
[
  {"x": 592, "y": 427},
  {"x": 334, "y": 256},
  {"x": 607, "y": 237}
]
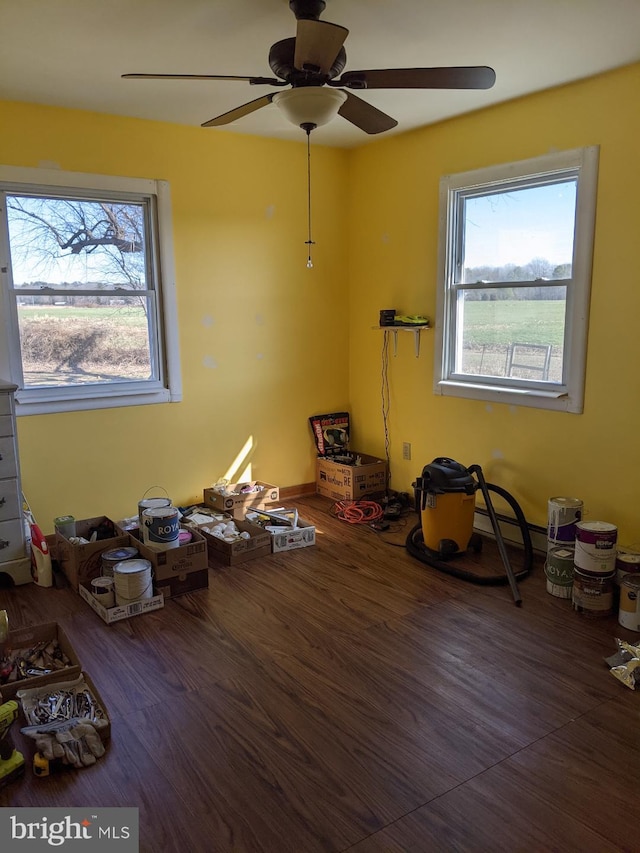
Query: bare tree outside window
[{"x": 80, "y": 278}]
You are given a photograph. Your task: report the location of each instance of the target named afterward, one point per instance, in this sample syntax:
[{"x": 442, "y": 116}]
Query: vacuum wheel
[{"x": 475, "y": 543}]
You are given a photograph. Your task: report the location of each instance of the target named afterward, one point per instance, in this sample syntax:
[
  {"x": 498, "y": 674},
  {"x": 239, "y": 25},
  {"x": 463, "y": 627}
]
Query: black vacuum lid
[{"x": 446, "y": 475}]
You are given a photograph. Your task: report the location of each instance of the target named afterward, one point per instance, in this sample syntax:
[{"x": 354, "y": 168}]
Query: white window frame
[
  {"x": 568, "y": 395},
  {"x": 168, "y": 388}
]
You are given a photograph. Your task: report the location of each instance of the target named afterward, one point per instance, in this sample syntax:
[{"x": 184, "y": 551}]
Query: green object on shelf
[{"x": 410, "y": 320}]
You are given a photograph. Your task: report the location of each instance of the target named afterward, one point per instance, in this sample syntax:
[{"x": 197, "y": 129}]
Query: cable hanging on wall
[{"x": 385, "y": 394}]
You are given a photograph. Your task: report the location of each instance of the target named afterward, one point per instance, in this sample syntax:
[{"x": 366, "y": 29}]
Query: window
[
  {"x": 514, "y": 272},
  {"x": 88, "y": 302}
]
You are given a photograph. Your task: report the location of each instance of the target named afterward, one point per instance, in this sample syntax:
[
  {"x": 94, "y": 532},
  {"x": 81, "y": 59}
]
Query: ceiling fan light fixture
[{"x": 315, "y": 105}]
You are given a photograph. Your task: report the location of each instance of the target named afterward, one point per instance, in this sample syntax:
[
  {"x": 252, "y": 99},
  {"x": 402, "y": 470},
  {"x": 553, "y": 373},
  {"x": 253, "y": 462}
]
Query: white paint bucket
[
  {"x": 151, "y": 503},
  {"x": 629, "y": 614},
  {"x": 161, "y": 528},
  {"x": 103, "y": 591},
  {"x": 132, "y": 581},
  {"x": 563, "y": 515},
  {"x": 596, "y": 547}
]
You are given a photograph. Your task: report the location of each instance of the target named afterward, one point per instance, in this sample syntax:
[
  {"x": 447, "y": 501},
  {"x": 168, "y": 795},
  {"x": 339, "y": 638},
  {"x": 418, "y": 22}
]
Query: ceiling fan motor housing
[
  {"x": 309, "y": 9},
  {"x": 281, "y": 62}
]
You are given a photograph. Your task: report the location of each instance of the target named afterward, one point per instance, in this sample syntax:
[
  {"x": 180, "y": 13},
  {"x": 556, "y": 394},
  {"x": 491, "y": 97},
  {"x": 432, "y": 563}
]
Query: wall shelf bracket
[{"x": 395, "y": 329}]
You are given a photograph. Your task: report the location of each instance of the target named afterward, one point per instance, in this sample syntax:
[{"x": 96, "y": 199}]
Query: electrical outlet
[{"x": 406, "y": 450}]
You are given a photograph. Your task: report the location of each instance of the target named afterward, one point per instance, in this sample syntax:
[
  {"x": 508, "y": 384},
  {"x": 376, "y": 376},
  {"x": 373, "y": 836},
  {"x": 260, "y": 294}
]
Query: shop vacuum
[{"x": 445, "y": 498}]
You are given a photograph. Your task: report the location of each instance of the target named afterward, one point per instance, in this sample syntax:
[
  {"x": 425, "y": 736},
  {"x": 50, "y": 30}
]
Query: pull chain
[{"x": 308, "y": 127}]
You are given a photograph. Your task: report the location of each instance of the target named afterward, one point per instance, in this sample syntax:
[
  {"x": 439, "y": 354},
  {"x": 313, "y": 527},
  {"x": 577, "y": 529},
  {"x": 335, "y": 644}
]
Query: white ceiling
[{"x": 71, "y": 53}]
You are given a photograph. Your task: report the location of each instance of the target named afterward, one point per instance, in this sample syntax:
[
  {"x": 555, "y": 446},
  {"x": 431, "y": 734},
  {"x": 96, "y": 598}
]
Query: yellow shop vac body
[
  {"x": 446, "y": 495},
  {"x": 447, "y": 521}
]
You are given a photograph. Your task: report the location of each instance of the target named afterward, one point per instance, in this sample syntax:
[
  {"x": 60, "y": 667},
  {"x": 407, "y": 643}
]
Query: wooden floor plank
[{"x": 349, "y": 697}]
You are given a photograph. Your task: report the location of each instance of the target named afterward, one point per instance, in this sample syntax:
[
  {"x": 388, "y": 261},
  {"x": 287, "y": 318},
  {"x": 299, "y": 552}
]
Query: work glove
[
  {"x": 46, "y": 743},
  {"x": 81, "y": 744},
  {"x": 77, "y": 741}
]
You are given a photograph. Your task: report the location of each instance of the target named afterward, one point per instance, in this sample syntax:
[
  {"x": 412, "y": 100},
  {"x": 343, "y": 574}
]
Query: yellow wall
[
  {"x": 533, "y": 454},
  {"x": 263, "y": 340}
]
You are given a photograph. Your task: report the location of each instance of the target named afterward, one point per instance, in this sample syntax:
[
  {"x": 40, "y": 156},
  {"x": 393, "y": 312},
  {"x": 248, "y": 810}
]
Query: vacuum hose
[{"x": 416, "y": 547}]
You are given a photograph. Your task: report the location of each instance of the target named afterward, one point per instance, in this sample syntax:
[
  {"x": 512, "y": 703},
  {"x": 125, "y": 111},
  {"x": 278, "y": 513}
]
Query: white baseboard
[{"x": 510, "y": 530}]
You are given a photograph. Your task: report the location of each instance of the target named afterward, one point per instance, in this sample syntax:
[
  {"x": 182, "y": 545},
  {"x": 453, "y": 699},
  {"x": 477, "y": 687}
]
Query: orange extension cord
[{"x": 357, "y": 512}]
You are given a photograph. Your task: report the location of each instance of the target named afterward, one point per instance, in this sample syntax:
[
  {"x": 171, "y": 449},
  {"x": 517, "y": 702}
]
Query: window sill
[
  {"x": 534, "y": 398},
  {"x": 85, "y": 403}
]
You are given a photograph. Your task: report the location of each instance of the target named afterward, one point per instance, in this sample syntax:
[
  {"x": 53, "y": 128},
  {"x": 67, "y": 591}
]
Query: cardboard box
[
  {"x": 28, "y": 698},
  {"x": 181, "y": 584},
  {"x": 82, "y": 563},
  {"x": 350, "y": 482},
  {"x": 298, "y": 537},
  {"x": 286, "y": 537},
  {"x": 232, "y": 553},
  {"x": 27, "y": 638},
  {"x": 237, "y": 504},
  {"x": 120, "y": 611},
  {"x": 172, "y": 562}
]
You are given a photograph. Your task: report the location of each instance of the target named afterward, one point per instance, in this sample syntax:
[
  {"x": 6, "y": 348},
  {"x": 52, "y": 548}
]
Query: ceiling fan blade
[
  {"x": 239, "y": 112},
  {"x": 472, "y": 77},
  {"x": 255, "y": 81},
  {"x": 365, "y": 116},
  {"x": 318, "y": 44}
]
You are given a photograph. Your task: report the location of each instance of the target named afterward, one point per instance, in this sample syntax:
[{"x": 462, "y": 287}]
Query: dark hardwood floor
[{"x": 346, "y": 697}]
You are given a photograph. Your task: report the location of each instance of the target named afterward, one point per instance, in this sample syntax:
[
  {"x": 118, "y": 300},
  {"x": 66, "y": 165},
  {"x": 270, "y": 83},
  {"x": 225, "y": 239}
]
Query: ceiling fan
[{"x": 310, "y": 64}]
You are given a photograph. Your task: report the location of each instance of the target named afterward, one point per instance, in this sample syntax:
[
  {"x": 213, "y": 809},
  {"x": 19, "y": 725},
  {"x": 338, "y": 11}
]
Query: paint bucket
[
  {"x": 596, "y": 547},
  {"x": 161, "y": 528},
  {"x": 132, "y": 581},
  {"x": 593, "y": 594},
  {"x": 65, "y": 525},
  {"x": 564, "y": 514},
  {"x": 558, "y": 570},
  {"x": 629, "y": 614},
  {"x": 152, "y": 503},
  {"x": 627, "y": 563},
  {"x": 109, "y": 559},
  {"x": 103, "y": 592}
]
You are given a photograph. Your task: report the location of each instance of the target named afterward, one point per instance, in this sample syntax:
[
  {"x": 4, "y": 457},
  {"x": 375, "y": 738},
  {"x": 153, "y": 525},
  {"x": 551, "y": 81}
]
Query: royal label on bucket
[
  {"x": 558, "y": 570},
  {"x": 564, "y": 514},
  {"x": 161, "y": 528},
  {"x": 595, "y": 550}
]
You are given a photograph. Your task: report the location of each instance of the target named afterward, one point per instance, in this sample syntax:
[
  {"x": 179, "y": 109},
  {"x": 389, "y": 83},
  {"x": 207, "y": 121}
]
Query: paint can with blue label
[
  {"x": 161, "y": 527},
  {"x": 109, "y": 558}
]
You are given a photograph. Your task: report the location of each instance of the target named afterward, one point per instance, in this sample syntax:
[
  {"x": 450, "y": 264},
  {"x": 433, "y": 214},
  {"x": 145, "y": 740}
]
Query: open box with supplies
[
  {"x": 286, "y": 529},
  {"x": 37, "y": 655},
  {"x": 118, "y": 612},
  {"x": 67, "y": 722}
]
